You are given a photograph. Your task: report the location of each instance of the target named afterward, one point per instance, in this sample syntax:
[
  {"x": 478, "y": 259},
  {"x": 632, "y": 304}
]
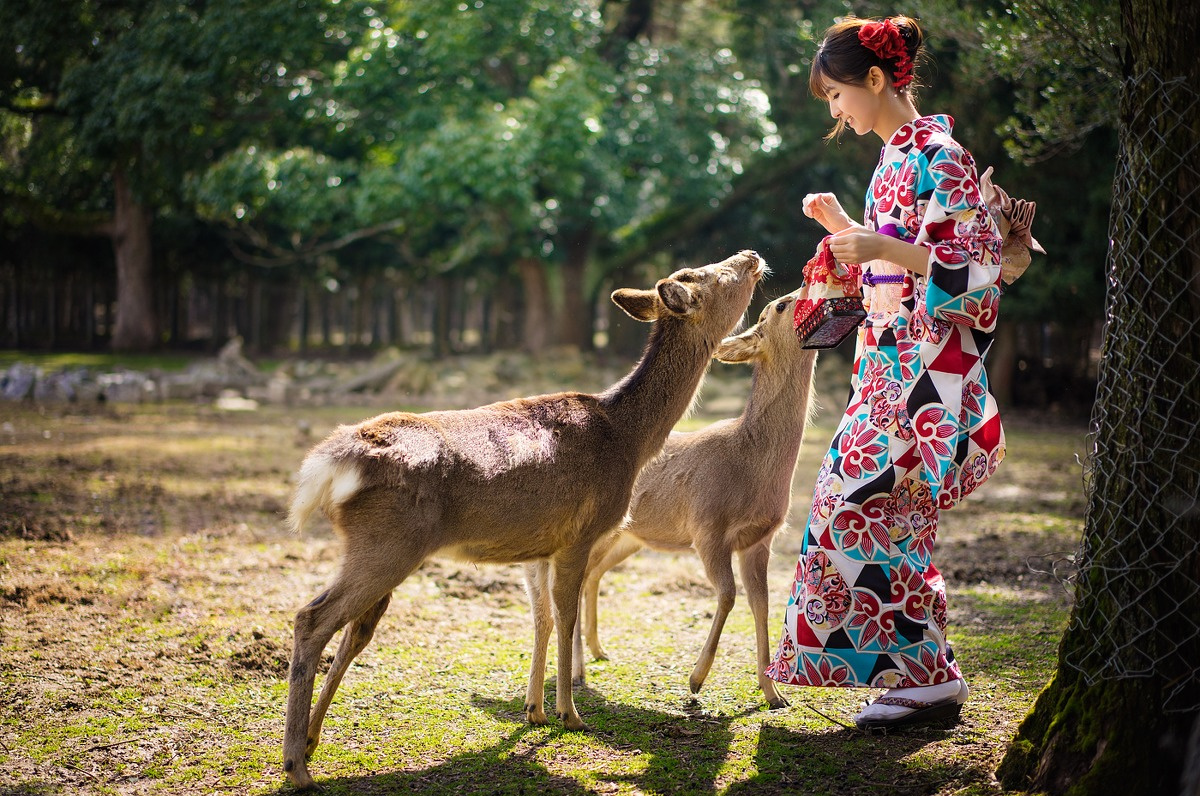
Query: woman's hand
[
  {"x": 827, "y": 211},
  {"x": 857, "y": 244}
]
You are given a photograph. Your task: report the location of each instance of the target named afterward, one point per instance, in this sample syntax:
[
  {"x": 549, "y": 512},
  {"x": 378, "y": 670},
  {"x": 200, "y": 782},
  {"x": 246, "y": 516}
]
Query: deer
[
  {"x": 723, "y": 489},
  {"x": 532, "y": 479}
]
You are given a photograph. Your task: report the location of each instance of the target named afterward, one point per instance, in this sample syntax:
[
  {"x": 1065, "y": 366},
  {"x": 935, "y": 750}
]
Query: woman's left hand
[{"x": 857, "y": 244}]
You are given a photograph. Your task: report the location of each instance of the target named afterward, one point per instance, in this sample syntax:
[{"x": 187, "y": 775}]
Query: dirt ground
[{"x": 147, "y": 589}]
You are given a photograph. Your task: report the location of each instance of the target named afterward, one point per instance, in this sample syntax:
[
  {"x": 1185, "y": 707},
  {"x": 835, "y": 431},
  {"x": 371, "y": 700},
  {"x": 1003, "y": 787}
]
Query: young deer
[
  {"x": 535, "y": 478},
  {"x": 722, "y": 489}
]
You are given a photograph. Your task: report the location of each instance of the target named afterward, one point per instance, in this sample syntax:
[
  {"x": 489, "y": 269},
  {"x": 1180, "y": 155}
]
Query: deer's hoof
[
  {"x": 298, "y": 775},
  {"x": 571, "y": 721},
  {"x": 535, "y": 714},
  {"x": 579, "y": 681},
  {"x": 777, "y": 702}
]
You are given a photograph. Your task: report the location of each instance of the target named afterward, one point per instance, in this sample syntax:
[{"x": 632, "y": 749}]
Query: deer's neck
[
  {"x": 648, "y": 402},
  {"x": 777, "y": 409}
]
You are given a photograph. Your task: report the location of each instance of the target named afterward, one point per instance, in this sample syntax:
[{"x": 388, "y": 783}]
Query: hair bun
[{"x": 911, "y": 31}]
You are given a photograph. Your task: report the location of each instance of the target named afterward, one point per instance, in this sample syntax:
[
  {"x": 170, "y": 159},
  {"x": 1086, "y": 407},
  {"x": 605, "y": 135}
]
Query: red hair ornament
[{"x": 884, "y": 39}]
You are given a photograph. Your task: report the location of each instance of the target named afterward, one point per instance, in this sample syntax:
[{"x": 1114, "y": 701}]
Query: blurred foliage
[
  {"x": 324, "y": 137},
  {"x": 1042, "y": 80},
  {"x": 491, "y": 131},
  {"x": 157, "y": 88}
]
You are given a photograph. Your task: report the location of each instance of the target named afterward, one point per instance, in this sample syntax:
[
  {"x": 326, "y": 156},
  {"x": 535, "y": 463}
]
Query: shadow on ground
[{"x": 684, "y": 754}]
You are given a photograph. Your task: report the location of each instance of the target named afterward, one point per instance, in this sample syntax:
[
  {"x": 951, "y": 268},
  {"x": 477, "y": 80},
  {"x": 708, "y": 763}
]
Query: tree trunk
[
  {"x": 1191, "y": 769},
  {"x": 327, "y": 310},
  {"x": 487, "y": 322},
  {"x": 279, "y": 313},
  {"x": 1002, "y": 363},
  {"x": 305, "y": 299},
  {"x": 575, "y": 322},
  {"x": 535, "y": 320},
  {"x": 136, "y": 327},
  {"x": 1119, "y": 713},
  {"x": 220, "y": 324},
  {"x": 441, "y": 316},
  {"x": 89, "y": 312},
  {"x": 505, "y": 303}
]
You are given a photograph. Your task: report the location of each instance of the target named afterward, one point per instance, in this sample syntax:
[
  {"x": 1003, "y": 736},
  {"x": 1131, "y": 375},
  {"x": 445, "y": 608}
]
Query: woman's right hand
[{"x": 825, "y": 209}]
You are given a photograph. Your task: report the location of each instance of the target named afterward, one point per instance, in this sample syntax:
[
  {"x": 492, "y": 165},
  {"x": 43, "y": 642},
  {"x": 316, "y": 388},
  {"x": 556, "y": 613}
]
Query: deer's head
[
  {"x": 772, "y": 339},
  {"x": 713, "y": 298}
]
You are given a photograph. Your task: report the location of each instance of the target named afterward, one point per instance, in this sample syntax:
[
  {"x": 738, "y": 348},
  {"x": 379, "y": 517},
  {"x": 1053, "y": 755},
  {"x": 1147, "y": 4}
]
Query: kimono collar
[{"x": 937, "y": 123}]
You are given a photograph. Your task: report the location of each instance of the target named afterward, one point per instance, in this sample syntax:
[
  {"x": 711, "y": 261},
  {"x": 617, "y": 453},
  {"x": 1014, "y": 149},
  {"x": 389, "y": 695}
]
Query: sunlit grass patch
[{"x": 151, "y": 658}]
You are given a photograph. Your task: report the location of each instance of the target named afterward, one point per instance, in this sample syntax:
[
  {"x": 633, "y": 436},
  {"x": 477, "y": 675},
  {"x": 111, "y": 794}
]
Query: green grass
[{"x": 149, "y": 662}]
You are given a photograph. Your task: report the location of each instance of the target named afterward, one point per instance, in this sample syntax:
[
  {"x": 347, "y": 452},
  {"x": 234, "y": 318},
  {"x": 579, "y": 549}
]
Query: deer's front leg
[
  {"x": 754, "y": 561},
  {"x": 719, "y": 569},
  {"x": 569, "y": 566}
]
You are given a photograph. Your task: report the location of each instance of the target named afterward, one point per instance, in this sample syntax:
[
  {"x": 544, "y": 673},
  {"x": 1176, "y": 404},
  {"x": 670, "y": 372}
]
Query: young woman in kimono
[{"x": 920, "y": 432}]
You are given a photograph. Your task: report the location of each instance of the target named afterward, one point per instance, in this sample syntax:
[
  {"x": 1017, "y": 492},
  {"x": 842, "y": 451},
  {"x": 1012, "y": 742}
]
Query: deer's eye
[{"x": 781, "y": 306}]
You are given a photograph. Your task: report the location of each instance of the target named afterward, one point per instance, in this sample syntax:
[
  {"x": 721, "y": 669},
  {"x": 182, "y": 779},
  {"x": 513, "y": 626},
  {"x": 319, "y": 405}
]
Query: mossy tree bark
[{"x": 1117, "y": 717}]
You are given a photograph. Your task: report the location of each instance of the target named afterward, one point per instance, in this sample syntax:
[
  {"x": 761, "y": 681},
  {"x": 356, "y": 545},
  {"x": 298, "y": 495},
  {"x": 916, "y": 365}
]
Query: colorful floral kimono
[{"x": 920, "y": 432}]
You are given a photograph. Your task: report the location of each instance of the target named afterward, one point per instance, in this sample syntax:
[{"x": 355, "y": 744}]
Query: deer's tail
[{"x": 324, "y": 482}]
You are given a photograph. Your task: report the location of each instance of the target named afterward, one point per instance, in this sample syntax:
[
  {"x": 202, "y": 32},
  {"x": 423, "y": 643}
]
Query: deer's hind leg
[
  {"x": 718, "y": 566},
  {"x": 359, "y": 595},
  {"x": 567, "y": 567},
  {"x": 354, "y": 640},
  {"x": 537, "y": 584},
  {"x": 608, "y": 552}
]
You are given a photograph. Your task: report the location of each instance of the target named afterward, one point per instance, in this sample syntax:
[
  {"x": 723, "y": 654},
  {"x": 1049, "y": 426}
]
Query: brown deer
[
  {"x": 535, "y": 478},
  {"x": 722, "y": 489}
]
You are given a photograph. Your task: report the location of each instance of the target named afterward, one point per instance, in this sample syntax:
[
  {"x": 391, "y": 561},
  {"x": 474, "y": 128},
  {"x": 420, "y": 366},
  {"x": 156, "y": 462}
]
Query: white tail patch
[{"x": 322, "y": 483}]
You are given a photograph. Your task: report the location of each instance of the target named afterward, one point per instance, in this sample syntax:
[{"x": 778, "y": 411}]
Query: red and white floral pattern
[{"x": 920, "y": 433}]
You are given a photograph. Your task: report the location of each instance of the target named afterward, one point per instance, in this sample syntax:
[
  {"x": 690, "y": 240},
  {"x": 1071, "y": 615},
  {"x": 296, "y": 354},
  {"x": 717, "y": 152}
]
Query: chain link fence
[{"x": 1137, "y": 575}]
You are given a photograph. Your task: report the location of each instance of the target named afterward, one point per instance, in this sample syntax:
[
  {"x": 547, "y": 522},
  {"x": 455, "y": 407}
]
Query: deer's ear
[
  {"x": 742, "y": 347},
  {"x": 676, "y": 296},
  {"x": 641, "y": 305}
]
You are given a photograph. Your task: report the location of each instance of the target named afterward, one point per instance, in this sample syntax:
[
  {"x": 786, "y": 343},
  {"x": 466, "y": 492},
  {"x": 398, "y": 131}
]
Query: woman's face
[{"x": 856, "y": 106}]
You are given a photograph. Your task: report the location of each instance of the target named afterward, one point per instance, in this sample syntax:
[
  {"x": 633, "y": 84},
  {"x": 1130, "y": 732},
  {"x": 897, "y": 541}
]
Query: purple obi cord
[{"x": 882, "y": 279}]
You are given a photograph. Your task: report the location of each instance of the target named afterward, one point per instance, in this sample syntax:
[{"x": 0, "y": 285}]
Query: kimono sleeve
[{"x": 963, "y": 283}]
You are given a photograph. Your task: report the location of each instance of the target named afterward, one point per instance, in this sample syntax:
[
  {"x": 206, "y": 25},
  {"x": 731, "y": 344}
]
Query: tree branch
[
  {"x": 282, "y": 257},
  {"x": 670, "y": 226},
  {"x": 43, "y": 106},
  {"x": 51, "y": 219}
]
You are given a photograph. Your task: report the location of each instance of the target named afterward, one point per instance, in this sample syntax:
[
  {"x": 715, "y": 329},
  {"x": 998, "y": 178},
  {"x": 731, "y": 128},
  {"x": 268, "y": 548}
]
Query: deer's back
[{"x": 509, "y": 481}]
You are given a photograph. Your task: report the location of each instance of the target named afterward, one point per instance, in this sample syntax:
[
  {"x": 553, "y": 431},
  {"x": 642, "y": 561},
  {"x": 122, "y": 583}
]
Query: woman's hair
[{"x": 842, "y": 55}]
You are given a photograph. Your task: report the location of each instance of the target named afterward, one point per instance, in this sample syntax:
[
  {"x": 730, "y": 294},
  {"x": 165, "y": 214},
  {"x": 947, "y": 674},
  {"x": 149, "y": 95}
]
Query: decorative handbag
[{"x": 832, "y": 307}]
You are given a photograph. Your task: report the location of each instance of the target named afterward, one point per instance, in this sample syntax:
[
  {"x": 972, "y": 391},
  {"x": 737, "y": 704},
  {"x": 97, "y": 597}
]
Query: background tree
[
  {"x": 1119, "y": 712},
  {"x": 1040, "y": 79},
  {"x": 516, "y": 132},
  {"x": 1010, "y": 78},
  {"x": 137, "y": 93},
  {"x": 460, "y": 176}
]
